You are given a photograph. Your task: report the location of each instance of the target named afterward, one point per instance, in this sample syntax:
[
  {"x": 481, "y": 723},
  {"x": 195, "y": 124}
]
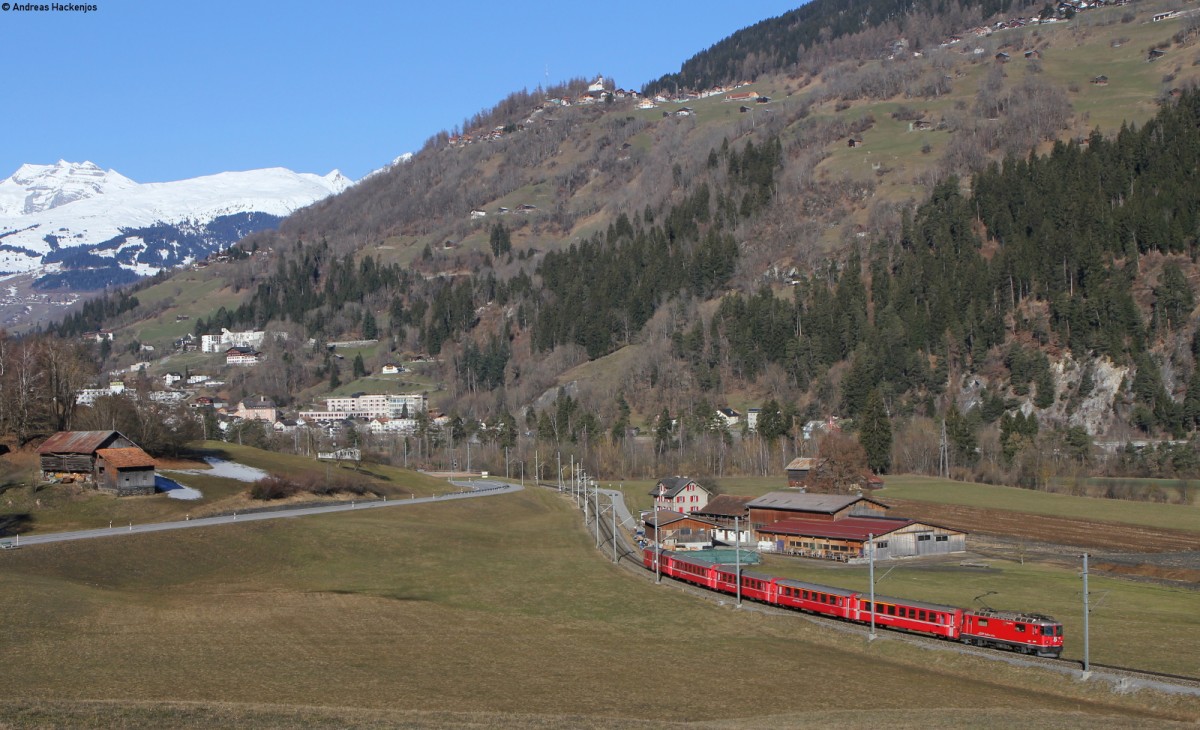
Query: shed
[
  {"x": 124, "y": 471},
  {"x": 799, "y": 468},
  {"x": 678, "y": 531}
]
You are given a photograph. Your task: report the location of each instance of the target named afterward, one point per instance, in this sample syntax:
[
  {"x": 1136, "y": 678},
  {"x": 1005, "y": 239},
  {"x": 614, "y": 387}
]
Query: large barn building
[
  {"x": 839, "y": 527},
  {"x": 108, "y": 459}
]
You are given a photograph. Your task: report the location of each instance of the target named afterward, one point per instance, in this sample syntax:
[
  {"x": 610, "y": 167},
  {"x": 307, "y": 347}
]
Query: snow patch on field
[{"x": 228, "y": 470}]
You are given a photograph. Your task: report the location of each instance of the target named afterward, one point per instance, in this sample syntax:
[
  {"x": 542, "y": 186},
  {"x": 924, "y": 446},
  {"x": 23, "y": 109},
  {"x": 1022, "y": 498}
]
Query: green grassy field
[
  {"x": 63, "y": 507},
  {"x": 928, "y": 489},
  {"x": 492, "y": 612}
]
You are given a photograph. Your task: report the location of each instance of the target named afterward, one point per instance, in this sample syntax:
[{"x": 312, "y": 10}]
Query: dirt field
[{"x": 1119, "y": 548}]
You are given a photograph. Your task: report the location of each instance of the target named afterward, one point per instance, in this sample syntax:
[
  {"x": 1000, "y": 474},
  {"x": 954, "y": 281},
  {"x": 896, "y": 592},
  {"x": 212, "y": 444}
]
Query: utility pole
[
  {"x": 871, "y": 547},
  {"x": 944, "y": 454},
  {"x": 657, "y": 544},
  {"x": 737, "y": 556},
  {"x": 612, "y": 504},
  {"x": 1086, "y": 663},
  {"x": 595, "y": 492}
]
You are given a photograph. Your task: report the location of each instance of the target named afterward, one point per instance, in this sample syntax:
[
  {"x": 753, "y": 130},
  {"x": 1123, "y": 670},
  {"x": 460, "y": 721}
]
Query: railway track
[{"x": 1122, "y": 679}]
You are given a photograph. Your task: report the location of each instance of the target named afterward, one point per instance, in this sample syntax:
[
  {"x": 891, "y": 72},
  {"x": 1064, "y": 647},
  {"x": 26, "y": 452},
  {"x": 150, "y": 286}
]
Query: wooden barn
[
  {"x": 721, "y": 510},
  {"x": 125, "y": 472},
  {"x": 108, "y": 459}
]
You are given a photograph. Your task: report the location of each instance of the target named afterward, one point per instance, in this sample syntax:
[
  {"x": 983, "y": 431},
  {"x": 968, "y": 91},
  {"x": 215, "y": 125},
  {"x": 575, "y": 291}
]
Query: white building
[
  {"x": 370, "y": 406},
  {"x": 227, "y": 339},
  {"x": 88, "y": 396}
]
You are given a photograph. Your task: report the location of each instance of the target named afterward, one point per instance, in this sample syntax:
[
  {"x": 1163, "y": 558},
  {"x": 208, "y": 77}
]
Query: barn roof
[
  {"x": 850, "y": 528},
  {"x": 130, "y": 457},
  {"x": 76, "y": 442},
  {"x": 666, "y": 517},
  {"x": 725, "y": 505},
  {"x": 806, "y": 502},
  {"x": 802, "y": 463}
]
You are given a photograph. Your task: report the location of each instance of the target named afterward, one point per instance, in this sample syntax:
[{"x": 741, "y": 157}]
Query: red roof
[
  {"x": 127, "y": 458},
  {"x": 849, "y": 528}
]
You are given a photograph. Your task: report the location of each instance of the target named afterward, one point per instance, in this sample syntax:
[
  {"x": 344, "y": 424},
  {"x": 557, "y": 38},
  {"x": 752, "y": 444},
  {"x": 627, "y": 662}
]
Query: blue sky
[{"x": 166, "y": 90}]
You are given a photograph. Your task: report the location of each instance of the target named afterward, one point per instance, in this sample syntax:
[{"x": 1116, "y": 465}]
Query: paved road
[{"x": 471, "y": 489}]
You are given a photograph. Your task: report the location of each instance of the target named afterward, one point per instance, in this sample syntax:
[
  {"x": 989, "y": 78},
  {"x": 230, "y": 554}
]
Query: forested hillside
[
  {"x": 897, "y": 238},
  {"x": 811, "y": 36}
]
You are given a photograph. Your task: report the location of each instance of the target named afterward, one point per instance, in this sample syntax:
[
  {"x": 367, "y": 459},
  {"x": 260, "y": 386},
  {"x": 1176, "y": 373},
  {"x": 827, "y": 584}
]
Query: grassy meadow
[
  {"x": 946, "y": 491},
  {"x": 493, "y": 612},
  {"x": 61, "y": 507}
]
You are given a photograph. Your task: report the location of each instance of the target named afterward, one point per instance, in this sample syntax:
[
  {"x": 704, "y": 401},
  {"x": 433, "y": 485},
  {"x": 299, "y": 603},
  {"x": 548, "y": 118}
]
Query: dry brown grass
[{"x": 492, "y": 612}]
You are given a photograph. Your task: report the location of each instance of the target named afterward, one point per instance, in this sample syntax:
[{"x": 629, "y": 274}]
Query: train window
[
  {"x": 1020, "y": 628},
  {"x": 891, "y": 610},
  {"x": 920, "y": 615},
  {"x": 1047, "y": 631},
  {"x": 983, "y": 622}
]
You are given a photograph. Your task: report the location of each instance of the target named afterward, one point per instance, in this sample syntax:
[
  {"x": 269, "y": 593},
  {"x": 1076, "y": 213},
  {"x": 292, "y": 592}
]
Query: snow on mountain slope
[
  {"x": 45, "y": 209},
  {"x": 36, "y": 188}
]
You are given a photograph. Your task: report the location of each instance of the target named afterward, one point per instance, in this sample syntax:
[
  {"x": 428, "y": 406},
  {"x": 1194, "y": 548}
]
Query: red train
[{"x": 1029, "y": 633}]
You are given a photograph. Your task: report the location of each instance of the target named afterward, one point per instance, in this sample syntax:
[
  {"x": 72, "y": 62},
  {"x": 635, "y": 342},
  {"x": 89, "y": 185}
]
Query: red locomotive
[{"x": 1029, "y": 633}]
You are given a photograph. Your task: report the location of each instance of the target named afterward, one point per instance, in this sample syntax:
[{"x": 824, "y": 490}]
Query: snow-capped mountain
[
  {"x": 35, "y": 188},
  {"x": 76, "y": 217},
  {"x": 391, "y": 165}
]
